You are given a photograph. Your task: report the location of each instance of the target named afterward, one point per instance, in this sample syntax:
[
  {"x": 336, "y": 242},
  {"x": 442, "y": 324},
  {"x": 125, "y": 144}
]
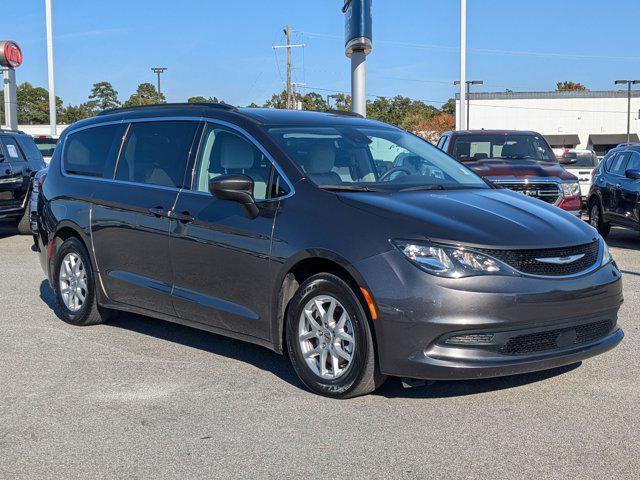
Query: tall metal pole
[
  {"x": 10, "y": 100},
  {"x": 628, "y": 112},
  {"x": 52, "y": 88},
  {"x": 628, "y": 83},
  {"x": 287, "y": 32},
  {"x": 158, "y": 71},
  {"x": 462, "y": 124},
  {"x": 358, "y": 82}
]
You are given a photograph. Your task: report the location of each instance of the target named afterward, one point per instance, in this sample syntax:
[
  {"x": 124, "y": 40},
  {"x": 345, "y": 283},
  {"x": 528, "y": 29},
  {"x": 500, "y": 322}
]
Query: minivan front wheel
[
  {"x": 596, "y": 220},
  {"x": 329, "y": 339},
  {"x": 74, "y": 285}
]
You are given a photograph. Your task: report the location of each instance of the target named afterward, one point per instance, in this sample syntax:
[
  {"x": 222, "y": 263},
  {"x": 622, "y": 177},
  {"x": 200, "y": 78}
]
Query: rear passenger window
[
  {"x": 92, "y": 152},
  {"x": 156, "y": 153}
]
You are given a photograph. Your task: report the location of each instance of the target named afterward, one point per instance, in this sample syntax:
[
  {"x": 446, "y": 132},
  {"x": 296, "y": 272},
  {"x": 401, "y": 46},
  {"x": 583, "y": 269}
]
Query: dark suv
[
  {"x": 20, "y": 159},
  {"x": 300, "y": 232},
  {"x": 614, "y": 197},
  {"x": 517, "y": 160}
]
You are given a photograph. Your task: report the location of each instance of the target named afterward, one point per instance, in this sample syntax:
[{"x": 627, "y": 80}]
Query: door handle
[
  {"x": 183, "y": 217},
  {"x": 8, "y": 171},
  {"x": 158, "y": 211}
]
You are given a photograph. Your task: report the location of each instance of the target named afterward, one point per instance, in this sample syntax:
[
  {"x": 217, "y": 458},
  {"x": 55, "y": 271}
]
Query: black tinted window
[
  {"x": 618, "y": 164},
  {"x": 92, "y": 151},
  {"x": 634, "y": 162},
  {"x": 156, "y": 153}
]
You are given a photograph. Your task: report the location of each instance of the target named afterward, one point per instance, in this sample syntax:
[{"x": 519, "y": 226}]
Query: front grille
[
  {"x": 548, "y": 192},
  {"x": 527, "y": 261},
  {"x": 558, "y": 338}
]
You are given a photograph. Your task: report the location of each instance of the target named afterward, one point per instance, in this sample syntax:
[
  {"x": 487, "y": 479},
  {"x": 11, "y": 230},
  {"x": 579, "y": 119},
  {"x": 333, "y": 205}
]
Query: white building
[
  {"x": 595, "y": 120},
  {"x": 40, "y": 130}
]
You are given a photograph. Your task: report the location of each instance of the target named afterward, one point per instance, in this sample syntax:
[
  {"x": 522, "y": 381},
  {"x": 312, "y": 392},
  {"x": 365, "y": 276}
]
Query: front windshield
[
  {"x": 582, "y": 159},
  {"x": 469, "y": 148},
  {"x": 352, "y": 157}
]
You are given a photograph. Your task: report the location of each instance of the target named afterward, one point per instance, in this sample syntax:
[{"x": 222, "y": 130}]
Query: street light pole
[
  {"x": 468, "y": 89},
  {"x": 628, "y": 83},
  {"x": 52, "y": 88},
  {"x": 158, "y": 71},
  {"x": 462, "y": 122}
]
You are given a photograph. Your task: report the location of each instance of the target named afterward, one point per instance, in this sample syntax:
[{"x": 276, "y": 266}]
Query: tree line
[{"x": 412, "y": 115}]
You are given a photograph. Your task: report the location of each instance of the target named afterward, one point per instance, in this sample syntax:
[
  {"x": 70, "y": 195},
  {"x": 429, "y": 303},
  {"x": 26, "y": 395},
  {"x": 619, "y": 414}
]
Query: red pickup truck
[{"x": 517, "y": 160}]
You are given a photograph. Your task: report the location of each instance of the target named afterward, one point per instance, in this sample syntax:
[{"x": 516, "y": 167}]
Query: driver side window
[{"x": 224, "y": 151}]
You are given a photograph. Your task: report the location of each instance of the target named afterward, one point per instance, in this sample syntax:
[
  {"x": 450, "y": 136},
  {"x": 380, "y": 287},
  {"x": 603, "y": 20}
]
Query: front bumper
[{"x": 417, "y": 311}]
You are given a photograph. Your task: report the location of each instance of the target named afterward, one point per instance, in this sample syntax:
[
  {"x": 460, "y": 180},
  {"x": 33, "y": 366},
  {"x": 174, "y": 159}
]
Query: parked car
[
  {"x": 46, "y": 144},
  {"x": 581, "y": 163},
  {"x": 19, "y": 161},
  {"x": 614, "y": 198},
  {"x": 517, "y": 160},
  {"x": 300, "y": 232}
]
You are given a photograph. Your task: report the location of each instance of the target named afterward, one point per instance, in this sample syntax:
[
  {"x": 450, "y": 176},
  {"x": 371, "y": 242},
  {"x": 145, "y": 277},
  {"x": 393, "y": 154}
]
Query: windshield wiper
[
  {"x": 349, "y": 188},
  {"x": 437, "y": 187}
]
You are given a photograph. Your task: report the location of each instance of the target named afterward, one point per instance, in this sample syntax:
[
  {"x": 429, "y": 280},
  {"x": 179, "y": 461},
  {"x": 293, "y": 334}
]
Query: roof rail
[
  {"x": 222, "y": 106},
  {"x": 344, "y": 113},
  {"x": 627, "y": 144}
]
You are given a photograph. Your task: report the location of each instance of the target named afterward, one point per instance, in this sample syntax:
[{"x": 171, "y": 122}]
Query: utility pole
[
  {"x": 289, "y": 46},
  {"x": 469, "y": 83},
  {"x": 462, "y": 122},
  {"x": 628, "y": 83},
  {"x": 52, "y": 88},
  {"x": 158, "y": 71},
  {"x": 287, "y": 32}
]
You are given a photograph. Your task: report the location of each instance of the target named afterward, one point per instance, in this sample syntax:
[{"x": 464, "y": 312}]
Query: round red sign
[{"x": 10, "y": 54}]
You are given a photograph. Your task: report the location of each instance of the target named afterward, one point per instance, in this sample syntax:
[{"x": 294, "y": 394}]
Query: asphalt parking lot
[{"x": 142, "y": 398}]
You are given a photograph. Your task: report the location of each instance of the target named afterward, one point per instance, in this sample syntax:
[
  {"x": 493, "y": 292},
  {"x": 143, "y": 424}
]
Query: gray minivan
[{"x": 356, "y": 248}]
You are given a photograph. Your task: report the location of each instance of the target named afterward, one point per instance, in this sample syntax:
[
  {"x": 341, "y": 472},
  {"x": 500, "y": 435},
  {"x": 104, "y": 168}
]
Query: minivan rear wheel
[
  {"x": 74, "y": 285},
  {"x": 596, "y": 220},
  {"x": 329, "y": 339}
]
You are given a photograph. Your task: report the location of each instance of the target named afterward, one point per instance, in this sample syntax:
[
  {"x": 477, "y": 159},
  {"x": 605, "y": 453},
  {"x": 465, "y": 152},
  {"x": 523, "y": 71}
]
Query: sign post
[
  {"x": 10, "y": 59},
  {"x": 358, "y": 38}
]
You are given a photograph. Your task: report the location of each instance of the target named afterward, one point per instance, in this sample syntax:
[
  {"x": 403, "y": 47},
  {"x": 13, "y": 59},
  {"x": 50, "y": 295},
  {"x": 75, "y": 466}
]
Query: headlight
[
  {"x": 606, "y": 255},
  {"x": 570, "y": 189},
  {"x": 449, "y": 261}
]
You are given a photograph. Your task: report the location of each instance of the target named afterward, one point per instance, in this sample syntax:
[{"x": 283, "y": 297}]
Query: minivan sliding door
[{"x": 130, "y": 220}]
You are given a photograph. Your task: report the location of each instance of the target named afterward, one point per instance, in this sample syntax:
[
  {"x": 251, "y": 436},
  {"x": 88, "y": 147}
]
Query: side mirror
[
  {"x": 237, "y": 188},
  {"x": 633, "y": 174}
]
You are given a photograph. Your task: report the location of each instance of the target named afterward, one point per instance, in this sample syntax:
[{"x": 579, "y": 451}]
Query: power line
[{"x": 488, "y": 51}]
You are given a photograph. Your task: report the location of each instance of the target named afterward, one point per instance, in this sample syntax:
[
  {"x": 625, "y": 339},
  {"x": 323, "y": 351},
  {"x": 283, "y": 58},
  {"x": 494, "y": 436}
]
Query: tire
[
  {"x": 24, "y": 223},
  {"x": 82, "y": 312},
  {"x": 342, "y": 378},
  {"x": 596, "y": 220}
]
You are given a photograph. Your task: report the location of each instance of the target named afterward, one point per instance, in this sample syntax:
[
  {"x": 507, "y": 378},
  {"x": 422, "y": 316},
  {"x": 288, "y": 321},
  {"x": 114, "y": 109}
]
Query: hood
[
  {"x": 478, "y": 217},
  {"x": 498, "y": 167}
]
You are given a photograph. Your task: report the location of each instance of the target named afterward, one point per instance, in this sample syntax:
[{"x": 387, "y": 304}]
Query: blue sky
[{"x": 223, "y": 48}]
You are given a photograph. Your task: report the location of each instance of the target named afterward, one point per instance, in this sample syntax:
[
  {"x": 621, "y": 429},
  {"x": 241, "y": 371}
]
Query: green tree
[
  {"x": 104, "y": 96},
  {"x": 450, "y": 107},
  {"x": 568, "y": 86},
  {"x": 146, "y": 94},
  {"x": 73, "y": 113},
  {"x": 201, "y": 99},
  {"x": 33, "y": 104},
  {"x": 400, "y": 111},
  {"x": 314, "y": 101}
]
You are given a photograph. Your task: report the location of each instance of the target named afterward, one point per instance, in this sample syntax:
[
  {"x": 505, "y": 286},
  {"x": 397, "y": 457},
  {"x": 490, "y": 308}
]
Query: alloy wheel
[
  {"x": 594, "y": 218},
  {"x": 326, "y": 337},
  {"x": 73, "y": 282}
]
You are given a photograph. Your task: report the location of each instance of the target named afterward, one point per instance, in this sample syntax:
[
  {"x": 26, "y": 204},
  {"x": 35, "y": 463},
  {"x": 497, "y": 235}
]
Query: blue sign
[{"x": 358, "y": 25}]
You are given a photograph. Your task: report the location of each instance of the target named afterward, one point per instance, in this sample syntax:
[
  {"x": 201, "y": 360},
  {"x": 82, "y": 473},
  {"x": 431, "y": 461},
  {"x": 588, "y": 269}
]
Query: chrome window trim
[{"x": 204, "y": 119}]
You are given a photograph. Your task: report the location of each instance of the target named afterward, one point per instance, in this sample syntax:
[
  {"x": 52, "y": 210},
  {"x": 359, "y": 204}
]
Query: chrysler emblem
[{"x": 561, "y": 260}]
